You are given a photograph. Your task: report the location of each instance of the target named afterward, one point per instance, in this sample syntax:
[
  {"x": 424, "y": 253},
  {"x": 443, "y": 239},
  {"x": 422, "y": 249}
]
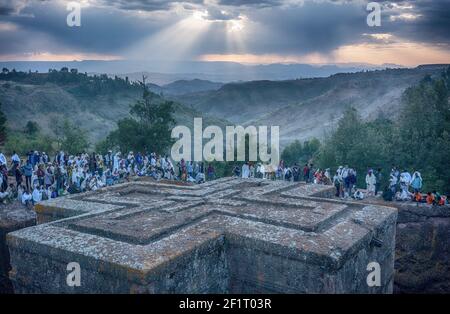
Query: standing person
[
  {"x": 337, "y": 181},
  {"x": 190, "y": 169},
  {"x": 15, "y": 160},
  {"x": 347, "y": 178},
  {"x": 405, "y": 180},
  {"x": 48, "y": 177},
  {"x": 18, "y": 175},
  {"x": 2, "y": 159},
  {"x": 416, "y": 182},
  {"x": 311, "y": 173},
  {"x": 371, "y": 182},
  {"x": 252, "y": 170},
  {"x": 107, "y": 159},
  {"x": 245, "y": 171},
  {"x": 4, "y": 171},
  {"x": 306, "y": 173},
  {"x": 295, "y": 172},
  {"x": 211, "y": 172},
  {"x": 40, "y": 175},
  {"x": 28, "y": 172},
  {"x": 378, "y": 177},
  {"x": 92, "y": 163},
  {"x": 116, "y": 161},
  {"x": 393, "y": 183},
  {"x": 58, "y": 178}
]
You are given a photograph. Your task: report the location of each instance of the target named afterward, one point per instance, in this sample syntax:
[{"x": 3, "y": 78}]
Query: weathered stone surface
[
  {"x": 225, "y": 236},
  {"x": 12, "y": 217},
  {"x": 422, "y": 262}
]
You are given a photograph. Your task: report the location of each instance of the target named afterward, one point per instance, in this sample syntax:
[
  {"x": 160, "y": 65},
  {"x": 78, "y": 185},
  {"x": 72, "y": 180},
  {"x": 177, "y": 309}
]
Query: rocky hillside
[
  {"x": 308, "y": 108},
  {"x": 303, "y": 108},
  {"x": 96, "y": 112}
]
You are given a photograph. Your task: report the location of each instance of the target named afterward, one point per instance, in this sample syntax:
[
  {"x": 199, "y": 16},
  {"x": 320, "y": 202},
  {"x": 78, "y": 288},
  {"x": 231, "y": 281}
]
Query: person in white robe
[
  {"x": 116, "y": 163},
  {"x": 37, "y": 195},
  {"x": 262, "y": 170},
  {"x": 245, "y": 171},
  {"x": 370, "y": 182},
  {"x": 2, "y": 159},
  {"x": 26, "y": 198}
]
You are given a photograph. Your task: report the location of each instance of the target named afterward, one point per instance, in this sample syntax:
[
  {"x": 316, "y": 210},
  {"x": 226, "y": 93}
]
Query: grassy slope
[
  {"x": 308, "y": 107},
  {"x": 98, "y": 115}
]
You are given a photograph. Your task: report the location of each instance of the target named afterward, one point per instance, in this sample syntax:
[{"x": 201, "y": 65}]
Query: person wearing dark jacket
[{"x": 28, "y": 172}]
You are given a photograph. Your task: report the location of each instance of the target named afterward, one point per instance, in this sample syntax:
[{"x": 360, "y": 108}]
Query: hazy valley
[{"x": 303, "y": 108}]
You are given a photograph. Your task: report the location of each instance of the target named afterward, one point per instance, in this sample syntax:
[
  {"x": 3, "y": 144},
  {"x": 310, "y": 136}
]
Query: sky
[{"x": 257, "y": 32}]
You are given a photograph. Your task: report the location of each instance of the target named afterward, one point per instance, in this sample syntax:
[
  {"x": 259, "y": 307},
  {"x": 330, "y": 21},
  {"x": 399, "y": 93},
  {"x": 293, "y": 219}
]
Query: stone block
[{"x": 225, "y": 236}]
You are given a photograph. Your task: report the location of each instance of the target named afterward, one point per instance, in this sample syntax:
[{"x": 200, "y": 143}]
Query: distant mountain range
[
  {"x": 183, "y": 87},
  {"x": 306, "y": 108},
  {"x": 166, "y": 72}
]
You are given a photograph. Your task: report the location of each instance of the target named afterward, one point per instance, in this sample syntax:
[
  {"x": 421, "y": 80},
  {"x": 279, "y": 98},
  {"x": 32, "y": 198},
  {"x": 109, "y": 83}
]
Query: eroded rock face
[
  {"x": 423, "y": 249},
  {"x": 225, "y": 236},
  {"x": 12, "y": 217}
]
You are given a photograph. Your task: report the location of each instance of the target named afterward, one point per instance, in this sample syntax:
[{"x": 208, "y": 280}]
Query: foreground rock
[
  {"x": 12, "y": 217},
  {"x": 225, "y": 236},
  {"x": 423, "y": 249}
]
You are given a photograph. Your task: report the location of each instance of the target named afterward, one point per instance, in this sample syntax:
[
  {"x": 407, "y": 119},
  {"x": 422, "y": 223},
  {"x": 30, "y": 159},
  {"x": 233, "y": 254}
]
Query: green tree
[
  {"x": 32, "y": 128},
  {"x": 310, "y": 149},
  {"x": 69, "y": 137},
  {"x": 149, "y": 127},
  {"x": 422, "y": 141},
  {"x": 298, "y": 153},
  {"x": 418, "y": 140},
  {"x": 355, "y": 143},
  {"x": 292, "y": 153}
]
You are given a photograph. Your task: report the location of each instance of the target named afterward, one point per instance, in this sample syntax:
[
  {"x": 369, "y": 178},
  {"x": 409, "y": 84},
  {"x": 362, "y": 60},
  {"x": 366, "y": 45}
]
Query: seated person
[
  {"x": 430, "y": 198},
  {"x": 418, "y": 197},
  {"x": 27, "y": 198},
  {"x": 388, "y": 194},
  {"x": 358, "y": 195}
]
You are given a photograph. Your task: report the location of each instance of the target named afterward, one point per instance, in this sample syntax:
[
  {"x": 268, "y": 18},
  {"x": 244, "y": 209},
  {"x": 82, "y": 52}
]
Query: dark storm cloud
[
  {"x": 271, "y": 26},
  {"x": 10, "y": 7},
  {"x": 313, "y": 27},
  {"x": 431, "y": 25},
  {"x": 261, "y": 3},
  {"x": 146, "y": 5},
  {"x": 42, "y": 27}
]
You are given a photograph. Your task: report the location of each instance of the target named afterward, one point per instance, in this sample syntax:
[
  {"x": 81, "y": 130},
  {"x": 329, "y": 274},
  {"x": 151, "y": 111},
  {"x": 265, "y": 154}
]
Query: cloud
[
  {"x": 146, "y": 5},
  {"x": 257, "y": 3},
  {"x": 12, "y": 7},
  {"x": 248, "y": 27},
  {"x": 217, "y": 14}
]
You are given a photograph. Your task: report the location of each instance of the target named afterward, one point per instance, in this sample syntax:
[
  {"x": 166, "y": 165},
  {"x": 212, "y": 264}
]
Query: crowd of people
[
  {"x": 39, "y": 177},
  {"x": 295, "y": 173},
  {"x": 404, "y": 187},
  {"x": 401, "y": 186}
]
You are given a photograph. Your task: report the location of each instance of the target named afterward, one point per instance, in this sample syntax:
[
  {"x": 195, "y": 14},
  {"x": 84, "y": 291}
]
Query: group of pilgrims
[
  {"x": 39, "y": 177},
  {"x": 401, "y": 186},
  {"x": 295, "y": 173}
]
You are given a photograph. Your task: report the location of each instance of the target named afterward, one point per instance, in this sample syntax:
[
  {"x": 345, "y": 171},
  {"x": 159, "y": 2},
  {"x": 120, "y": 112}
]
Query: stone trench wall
[
  {"x": 422, "y": 261},
  {"x": 228, "y": 236},
  {"x": 423, "y": 250},
  {"x": 12, "y": 217}
]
